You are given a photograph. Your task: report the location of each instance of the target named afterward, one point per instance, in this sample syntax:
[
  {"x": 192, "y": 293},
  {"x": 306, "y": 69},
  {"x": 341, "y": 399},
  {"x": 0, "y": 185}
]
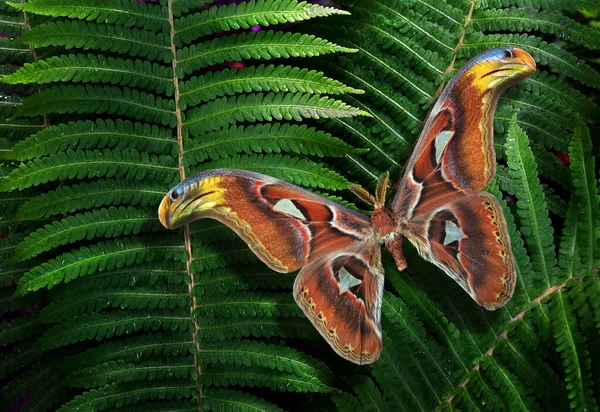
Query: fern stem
[
  {"x": 455, "y": 51},
  {"x": 187, "y": 237}
]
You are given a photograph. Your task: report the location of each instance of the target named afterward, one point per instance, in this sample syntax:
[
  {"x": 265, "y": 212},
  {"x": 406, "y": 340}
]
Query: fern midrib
[
  {"x": 186, "y": 228},
  {"x": 459, "y": 44}
]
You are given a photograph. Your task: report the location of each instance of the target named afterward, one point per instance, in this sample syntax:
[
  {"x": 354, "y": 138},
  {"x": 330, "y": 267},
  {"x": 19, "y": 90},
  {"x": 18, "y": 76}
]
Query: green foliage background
[{"x": 109, "y": 103}]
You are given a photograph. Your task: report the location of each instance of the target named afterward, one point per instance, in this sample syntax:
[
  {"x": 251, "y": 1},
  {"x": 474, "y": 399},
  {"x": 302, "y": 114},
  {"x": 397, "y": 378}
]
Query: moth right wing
[{"x": 341, "y": 294}]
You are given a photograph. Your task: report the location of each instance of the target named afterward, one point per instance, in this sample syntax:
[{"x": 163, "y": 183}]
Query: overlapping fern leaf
[{"x": 108, "y": 103}]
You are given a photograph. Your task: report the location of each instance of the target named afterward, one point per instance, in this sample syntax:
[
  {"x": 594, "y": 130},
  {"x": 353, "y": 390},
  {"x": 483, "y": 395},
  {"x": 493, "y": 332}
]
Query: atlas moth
[{"x": 439, "y": 205}]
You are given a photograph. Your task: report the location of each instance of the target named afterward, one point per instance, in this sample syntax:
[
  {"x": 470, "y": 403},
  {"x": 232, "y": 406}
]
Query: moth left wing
[
  {"x": 454, "y": 155},
  {"x": 341, "y": 295},
  {"x": 284, "y": 225},
  {"x": 468, "y": 239}
]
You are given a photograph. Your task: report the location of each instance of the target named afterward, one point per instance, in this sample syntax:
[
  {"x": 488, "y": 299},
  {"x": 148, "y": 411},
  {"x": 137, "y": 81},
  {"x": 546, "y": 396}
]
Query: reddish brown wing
[
  {"x": 341, "y": 294},
  {"x": 285, "y": 226},
  {"x": 468, "y": 239},
  {"x": 437, "y": 202}
]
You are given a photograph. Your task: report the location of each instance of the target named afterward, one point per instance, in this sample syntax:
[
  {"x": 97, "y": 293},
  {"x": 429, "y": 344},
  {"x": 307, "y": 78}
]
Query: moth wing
[
  {"x": 452, "y": 158},
  {"x": 284, "y": 225},
  {"x": 341, "y": 294},
  {"x": 468, "y": 239}
]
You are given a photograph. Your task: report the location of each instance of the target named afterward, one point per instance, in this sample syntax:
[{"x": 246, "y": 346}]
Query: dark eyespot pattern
[{"x": 175, "y": 195}]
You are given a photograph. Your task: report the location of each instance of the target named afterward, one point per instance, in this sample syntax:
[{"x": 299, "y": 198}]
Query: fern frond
[
  {"x": 248, "y": 304},
  {"x": 19, "y": 328},
  {"x": 99, "y": 134},
  {"x": 106, "y": 223},
  {"x": 585, "y": 191},
  {"x": 9, "y": 104},
  {"x": 260, "y": 107},
  {"x": 101, "y": 99},
  {"x": 87, "y": 195},
  {"x": 128, "y": 164},
  {"x": 258, "y": 327},
  {"x": 535, "y": 224},
  {"x": 12, "y": 24},
  {"x": 139, "y": 297},
  {"x": 261, "y": 78},
  {"x": 11, "y": 50},
  {"x": 133, "y": 349},
  {"x": 590, "y": 5},
  {"x": 120, "y": 371},
  {"x": 119, "y": 12},
  {"x": 265, "y": 138},
  {"x": 9, "y": 302},
  {"x": 117, "y": 396},
  {"x": 261, "y": 45},
  {"x": 245, "y": 15},
  {"x": 528, "y": 20},
  {"x": 222, "y": 399},
  {"x": 183, "y": 6},
  {"x": 88, "y": 68},
  {"x": 369, "y": 395},
  {"x": 87, "y": 260},
  {"x": 107, "y": 325},
  {"x": 298, "y": 171},
  {"x": 542, "y": 83},
  {"x": 213, "y": 256},
  {"x": 234, "y": 375},
  {"x": 118, "y": 39},
  {"x": 261, "y": 355},
  {"x": 18, "y": 357},
  {"x": 570, "y": 344},
  {"x": 238, "y": 278}
]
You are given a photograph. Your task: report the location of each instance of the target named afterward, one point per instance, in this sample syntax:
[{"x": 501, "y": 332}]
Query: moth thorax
[{"x": 384, "y": 222}]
